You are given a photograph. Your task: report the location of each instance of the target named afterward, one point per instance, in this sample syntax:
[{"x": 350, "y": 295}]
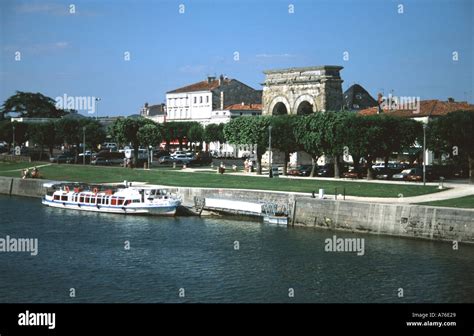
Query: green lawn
[
  {"x": 6, "y": 166},
  {"x": 461, "y": 202},
  {"x": 172, "y": 177}
]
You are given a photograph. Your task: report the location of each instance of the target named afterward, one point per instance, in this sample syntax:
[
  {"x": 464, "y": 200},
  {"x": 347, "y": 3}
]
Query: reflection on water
[{"x": 87, "y": 251}]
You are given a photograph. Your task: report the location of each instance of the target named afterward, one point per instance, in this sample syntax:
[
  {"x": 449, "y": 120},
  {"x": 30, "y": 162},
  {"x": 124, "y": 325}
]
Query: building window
[
  {"x": 195, "y": 100},
  {"x": 200, "y": 99},
  {"x": 207, "y": 99}
]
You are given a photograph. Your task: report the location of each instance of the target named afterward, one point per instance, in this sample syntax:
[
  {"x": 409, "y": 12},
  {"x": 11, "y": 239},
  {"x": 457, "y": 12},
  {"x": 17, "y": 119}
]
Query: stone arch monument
[{"x": 302, "y": 90}]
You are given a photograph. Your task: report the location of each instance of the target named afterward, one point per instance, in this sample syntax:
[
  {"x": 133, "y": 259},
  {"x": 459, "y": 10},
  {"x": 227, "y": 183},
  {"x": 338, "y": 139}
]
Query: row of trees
[
  {"x": 144, "y": 132},
  {"x": 54, "y": 133},
  {"x": 337, "y": 134},
  {"x": 129, "y": 130}
]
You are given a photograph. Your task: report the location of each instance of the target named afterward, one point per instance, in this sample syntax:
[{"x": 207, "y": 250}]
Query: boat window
[
  {"x": 56, "y": 197},
  {"x": 81, "y": 199},
  {"x": 114, "y": 201},
  {"x": 99, "y": 200},
  {"x": 87, "y": 199},
  {"x": 120, "y": 201},
  {"x": 127, "y": 202},
  {"x": 63, "y": 198},
  {"x": 92, "y": 199},
  {"x": 136, "y": 201}
]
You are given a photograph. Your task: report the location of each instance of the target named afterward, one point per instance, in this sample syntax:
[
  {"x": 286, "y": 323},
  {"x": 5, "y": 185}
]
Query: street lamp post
[
  {"x": 270, "y": 174},
  {"x": 97, "y": 108},
  {"x": 13, "y": 135},
  {"x": 424, "y": 154},
  {"x": 84, "y": 145}
]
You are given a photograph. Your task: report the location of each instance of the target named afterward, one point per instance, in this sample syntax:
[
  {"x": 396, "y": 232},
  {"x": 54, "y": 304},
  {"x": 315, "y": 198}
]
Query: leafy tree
[
  {"x": 176, "y": 130},
  {"x": 95, "y": 133},
  {"x": 126, "y": 130},
  {"x": 307, "y": 134},
  {"x": 150, "y": 135},
  {"x": 354, "y": 138},
  {"x": 44, "y": 135},
  {"x": 249, "y": 131},
  {"x": 283, "y": 137},
  {"x": 372, "y": 135},
  {"x": 7, "y": 133},
  {"x": 196, "y": 133},
  {"x": 331, "y": 130},
  {"x": 214, "y": 133},
  {"x": 32, "y": 105},
  {"x": 71, "y": 132},
  {"x": 399, "y": 134},
  {"x": 454, "y": 134},
  {"x": 378, "y": 136}
]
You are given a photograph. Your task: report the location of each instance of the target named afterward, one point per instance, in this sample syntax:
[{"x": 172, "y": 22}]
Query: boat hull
[{"x": 168, "y": 210}]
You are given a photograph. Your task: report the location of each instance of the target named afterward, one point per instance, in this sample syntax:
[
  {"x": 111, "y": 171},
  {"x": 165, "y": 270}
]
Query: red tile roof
[
  {"x": 249, "y": 107},
  {"x": 205, "y": 85},
  {"x": 427, "y": 108}
]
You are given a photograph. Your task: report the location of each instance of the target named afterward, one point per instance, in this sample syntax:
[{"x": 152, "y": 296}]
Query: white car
[
  {"x": 378, "y": 165},
  {"x": 174, "y": 154}
]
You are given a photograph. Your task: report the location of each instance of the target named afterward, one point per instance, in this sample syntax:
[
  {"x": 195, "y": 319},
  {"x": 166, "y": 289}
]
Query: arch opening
[
  {"x": 304, "y": 108},
  {"x": 279, "y": 109}
]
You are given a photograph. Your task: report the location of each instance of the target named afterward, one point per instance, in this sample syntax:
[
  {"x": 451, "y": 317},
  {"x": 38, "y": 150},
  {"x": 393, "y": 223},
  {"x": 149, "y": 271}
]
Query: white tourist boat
[{"x": 121, "y": 199}]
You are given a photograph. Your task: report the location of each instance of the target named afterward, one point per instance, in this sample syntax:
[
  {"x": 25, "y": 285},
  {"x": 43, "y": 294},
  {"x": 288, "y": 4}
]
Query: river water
[{"x": 91, "y": 257}]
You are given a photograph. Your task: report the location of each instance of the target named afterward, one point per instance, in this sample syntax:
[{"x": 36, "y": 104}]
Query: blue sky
[{"x": 82, "y": 54}]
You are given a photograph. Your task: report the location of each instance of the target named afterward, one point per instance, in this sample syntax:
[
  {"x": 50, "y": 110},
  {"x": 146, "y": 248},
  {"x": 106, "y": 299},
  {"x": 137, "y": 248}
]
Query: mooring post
[
  {"x": 335, "y": 194},
  {"x": 293, "y": 215},
  {"x": 344, "y": 193}
]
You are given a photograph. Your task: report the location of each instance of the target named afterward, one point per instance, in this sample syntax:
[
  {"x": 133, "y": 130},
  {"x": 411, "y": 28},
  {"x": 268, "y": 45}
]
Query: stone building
[
  {"x": 197, "y": 101},
  {"x": 157, "y": 112},
  {"x": 302, "y": 90}
]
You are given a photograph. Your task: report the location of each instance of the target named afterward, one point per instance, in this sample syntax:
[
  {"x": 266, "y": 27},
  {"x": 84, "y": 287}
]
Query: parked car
[
  {"x": 160, "y": 153},
  {"x": 178, "y": 152},
  {"x": 326, "y": 171},
  {"x": 202, "y": 158},
  {"x": 170, "y": 160},
  {"x": 110, "y": 157},
  {"x": 354, "y": 173},
  {"x": 386, "y": 173},
  {"x": 182, "y": 157},
  {"x": 301, "y": 170},
  {"x": 416, "y": 174},
  {"x": 111, "y": 146},
  {"x": 62, "y": 158},
  {"x": 403, "y": 175},
  {"x": 100, "y": 161},
  {"x": 165, "y": 160}
]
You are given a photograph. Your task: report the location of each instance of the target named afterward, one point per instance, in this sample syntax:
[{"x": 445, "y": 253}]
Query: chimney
[
  {"x": 450, "y": 100},
  {"x": 221, "y": 79},
  {"x": 222, "y": 100},
  {"x": 210, "y": 79}
]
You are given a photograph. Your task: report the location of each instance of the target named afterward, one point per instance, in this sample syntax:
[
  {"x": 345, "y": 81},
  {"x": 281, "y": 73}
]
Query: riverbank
[
  {"x": 205, "y": 178},
  {"x": 394, "y": 219}
]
